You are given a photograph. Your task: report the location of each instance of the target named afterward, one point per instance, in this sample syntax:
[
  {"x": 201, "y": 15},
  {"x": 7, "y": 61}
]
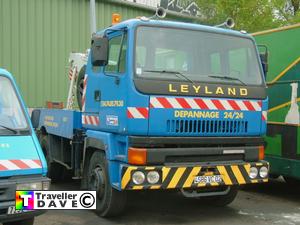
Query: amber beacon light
[{"x": 116, "y": 18}]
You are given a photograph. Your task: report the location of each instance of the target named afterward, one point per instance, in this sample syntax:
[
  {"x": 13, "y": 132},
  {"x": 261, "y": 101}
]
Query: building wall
[{"x": 36, "y": 37}]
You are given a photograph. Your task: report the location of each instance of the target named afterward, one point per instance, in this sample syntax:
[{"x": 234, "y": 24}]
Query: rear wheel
[
  {"x": 55, "y": 170},
  {"x": 110, "y": 202},
  {"x": 222, "y": 200},
  {"x": 29, "y": 221}
]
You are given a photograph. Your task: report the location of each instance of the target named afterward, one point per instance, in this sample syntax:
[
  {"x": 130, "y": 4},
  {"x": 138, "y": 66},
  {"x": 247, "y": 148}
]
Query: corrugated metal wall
[{"x": 38, "y": 35}]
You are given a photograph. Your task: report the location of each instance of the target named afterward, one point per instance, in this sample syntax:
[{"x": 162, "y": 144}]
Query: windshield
[
  {"x": 199, "y": 56},
  {"x": 12, "y": 118}
]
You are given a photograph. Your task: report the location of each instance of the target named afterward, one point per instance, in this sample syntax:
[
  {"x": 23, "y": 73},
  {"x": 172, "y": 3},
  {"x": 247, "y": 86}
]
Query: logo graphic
[
  {"x": 87, "y": 200},
  {"x": 33, "y": 200},
  {"x": 112, "y": 120},
  {"x": 24, "y": 200}
]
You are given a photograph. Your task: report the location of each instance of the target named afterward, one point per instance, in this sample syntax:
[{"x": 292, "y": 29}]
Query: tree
[
  {"x": 288, "y": 11},
  {"x": 252, "y": 16}
]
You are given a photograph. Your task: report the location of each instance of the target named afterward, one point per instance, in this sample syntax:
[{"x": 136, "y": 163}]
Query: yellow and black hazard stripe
[{"x": 184, "y": 176}]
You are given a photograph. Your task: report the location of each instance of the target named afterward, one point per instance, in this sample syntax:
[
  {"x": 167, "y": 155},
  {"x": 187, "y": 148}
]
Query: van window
[{"x": 11, "y": 113}]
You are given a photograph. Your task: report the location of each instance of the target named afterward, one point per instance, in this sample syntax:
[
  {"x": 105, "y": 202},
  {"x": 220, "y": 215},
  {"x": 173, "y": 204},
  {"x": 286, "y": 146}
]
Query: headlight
[
  {"x": 153, "y": 177},
  {"x": 45, "y": 185},
  {"x": 30, "y": 186},
  {"x": 263, "y": 172},
  {"x": 138, "y": 177},
  {"x": 253, "y": 172}
]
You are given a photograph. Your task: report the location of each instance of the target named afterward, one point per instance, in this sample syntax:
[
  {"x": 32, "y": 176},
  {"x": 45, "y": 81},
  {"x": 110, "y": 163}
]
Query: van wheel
[
  {"x": 110, "y": 202},
  {"x": 222, "y": 200},
  {"x": 29, "y": 221},
  {"x": 55, "y": 170}
]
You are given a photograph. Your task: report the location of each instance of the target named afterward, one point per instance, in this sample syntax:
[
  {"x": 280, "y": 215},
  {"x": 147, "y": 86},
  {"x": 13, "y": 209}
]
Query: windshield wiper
[
  {"x": 227, "y": 78},
  {"x": 9, "y": 128},
  {"x": 176, "y": 73}
]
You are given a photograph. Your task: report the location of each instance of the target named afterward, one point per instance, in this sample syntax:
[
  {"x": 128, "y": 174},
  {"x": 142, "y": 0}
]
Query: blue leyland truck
[
  {"x": 22, "y": 163},
  {"x": 164, "y": 105}
]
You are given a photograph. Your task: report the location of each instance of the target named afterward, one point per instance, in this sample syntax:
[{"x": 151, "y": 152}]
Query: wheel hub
[{"x": 98, "y": 182}]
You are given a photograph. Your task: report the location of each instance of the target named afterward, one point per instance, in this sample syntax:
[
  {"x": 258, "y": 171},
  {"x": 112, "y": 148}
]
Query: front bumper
[
  {"x": 173, "y": 177},
  {"x": 8, "y": 195},
  {"x": 18, "y": 215}
]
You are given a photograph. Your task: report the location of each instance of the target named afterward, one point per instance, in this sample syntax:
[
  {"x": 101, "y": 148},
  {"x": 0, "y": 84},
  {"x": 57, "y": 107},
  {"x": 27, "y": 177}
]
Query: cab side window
[{"x": 117, "y": 54}]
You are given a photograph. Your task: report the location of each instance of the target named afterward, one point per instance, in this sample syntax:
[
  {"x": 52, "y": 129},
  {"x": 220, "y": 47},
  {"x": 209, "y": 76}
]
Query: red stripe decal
[
  {"x": 234, "y": 105},
  {"x": 201, "y": 103},
  {"x": 3, "y": 168},
  {"x": 129, "y": 115},
  {"x": 20, "y": 164},
  {"x": 151, "y": 106},
  {"x": 144, "y": 112},
  {"x": 38, "y": 162},
  {"x": 183, "y": 103},
  {"x": 259, "y": 103},
  {"x": 249, "y": 105},
  {"x": 218, "y": 104},
  {"x": 165, "y": 103}
]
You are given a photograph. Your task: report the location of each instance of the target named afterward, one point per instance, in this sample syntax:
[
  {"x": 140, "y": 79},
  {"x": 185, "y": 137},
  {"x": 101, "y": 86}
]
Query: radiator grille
[{"x": 207, "y": 126}]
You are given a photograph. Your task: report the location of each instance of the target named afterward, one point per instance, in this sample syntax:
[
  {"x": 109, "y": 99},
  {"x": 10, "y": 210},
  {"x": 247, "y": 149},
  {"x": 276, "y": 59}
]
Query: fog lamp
[
  {"x": 138, "y": 177},
  {"x": 263, "y": 172},
  {"x": 153, "y": 177},
  {"x": 253, "y": 172}
]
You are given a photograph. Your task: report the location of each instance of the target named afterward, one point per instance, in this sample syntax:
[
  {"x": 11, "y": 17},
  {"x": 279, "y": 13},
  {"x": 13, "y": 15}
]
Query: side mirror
[
  {"x": 99, "y": 50},
  {"x": 263, "y": 53},
  {"x": 35, "y": 118}
]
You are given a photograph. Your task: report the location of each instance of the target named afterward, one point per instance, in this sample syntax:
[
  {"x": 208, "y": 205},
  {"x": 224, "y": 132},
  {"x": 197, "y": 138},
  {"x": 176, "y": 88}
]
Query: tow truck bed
[{"x": 60, "y": 122}]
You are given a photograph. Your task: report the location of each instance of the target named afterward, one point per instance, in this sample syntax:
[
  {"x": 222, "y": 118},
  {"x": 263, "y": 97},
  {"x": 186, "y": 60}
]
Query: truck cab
[
  {"x": 22, "y": 163},
  {"x": 164, "y": 105}
]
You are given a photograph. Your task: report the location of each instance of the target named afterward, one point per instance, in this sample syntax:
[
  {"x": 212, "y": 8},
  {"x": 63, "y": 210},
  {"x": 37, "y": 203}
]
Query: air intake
[{"x": 207, "y": 126}]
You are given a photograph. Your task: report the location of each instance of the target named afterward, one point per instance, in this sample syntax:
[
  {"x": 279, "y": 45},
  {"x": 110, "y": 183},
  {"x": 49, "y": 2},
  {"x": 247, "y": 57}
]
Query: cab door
[{"x": 113, "y": 89}]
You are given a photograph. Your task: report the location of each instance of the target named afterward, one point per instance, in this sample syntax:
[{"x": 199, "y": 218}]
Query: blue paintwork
[
  {"x": 21, "y": 147},
  {"x": 263, "y": 129},
  {"x": 120, "y": 87},
  {"x": 60, "y": 122}
]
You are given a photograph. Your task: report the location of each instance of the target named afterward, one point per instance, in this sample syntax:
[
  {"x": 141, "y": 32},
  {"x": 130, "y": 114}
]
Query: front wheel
[
  {"x": 29, "y": 221},
  {"x": 222, "y": 200},
  {"x": 110, "y": 202}
]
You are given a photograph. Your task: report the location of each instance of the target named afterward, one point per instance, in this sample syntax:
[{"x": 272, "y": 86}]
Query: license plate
[
  {"x": 12, "y": 210},
  {"x": 208, "y": 179}
]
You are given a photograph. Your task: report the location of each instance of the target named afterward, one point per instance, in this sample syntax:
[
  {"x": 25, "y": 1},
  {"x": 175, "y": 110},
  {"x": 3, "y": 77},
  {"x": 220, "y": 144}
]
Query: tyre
[
  {"x": 29, "y": 221},
  {"x": 55, "y": 170},
  {"x": 110, "y": 202},
  {"x": 222, "y": 200},
  {"x": 79, "y": 86}
]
